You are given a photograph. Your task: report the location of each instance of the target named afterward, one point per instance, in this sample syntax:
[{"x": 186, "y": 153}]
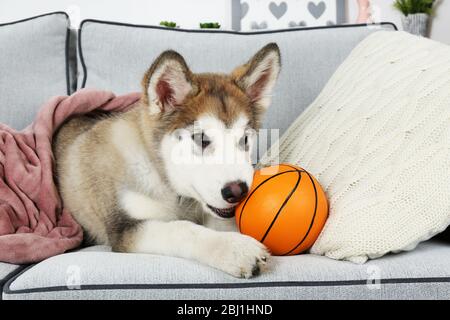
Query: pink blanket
[{"x": 34, "y": 224}]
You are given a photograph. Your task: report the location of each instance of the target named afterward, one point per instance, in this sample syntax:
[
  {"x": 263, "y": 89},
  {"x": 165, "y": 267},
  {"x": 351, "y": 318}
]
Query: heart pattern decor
[
  {"x": 282, "y": 14},
  {"x": 278, "y": 10},
  {"x": 259, "y": 26},
  {"x": 293, "y": 24},
  {"x": 244, "y": 9},
  {"x": 316, "y": 10}
]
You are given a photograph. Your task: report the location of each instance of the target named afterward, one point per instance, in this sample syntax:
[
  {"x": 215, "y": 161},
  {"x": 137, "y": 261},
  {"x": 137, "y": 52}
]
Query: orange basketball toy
[{"x": 285, "y": 209}]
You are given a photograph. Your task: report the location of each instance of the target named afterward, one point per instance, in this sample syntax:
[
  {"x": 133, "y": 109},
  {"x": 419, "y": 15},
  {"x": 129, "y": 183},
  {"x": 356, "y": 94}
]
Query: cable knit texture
[{"x": 378, "y": 140}]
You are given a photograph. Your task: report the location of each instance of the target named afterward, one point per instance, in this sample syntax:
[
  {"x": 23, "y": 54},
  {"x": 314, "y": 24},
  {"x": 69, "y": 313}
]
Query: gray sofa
[{"x": 113, "y": 56}]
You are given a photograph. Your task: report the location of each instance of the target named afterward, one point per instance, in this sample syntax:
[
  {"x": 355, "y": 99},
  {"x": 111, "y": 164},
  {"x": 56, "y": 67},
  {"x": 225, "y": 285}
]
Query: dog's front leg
[
  {"x": 219, "y": 224},
  {"x": 232, "y": 252}
]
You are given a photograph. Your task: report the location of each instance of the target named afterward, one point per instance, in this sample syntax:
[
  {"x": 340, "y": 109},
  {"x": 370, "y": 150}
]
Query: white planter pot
[{"x": 416, "y": 24}]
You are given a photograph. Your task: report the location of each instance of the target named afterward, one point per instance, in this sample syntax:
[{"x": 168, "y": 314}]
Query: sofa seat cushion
[
  {"x": 97, "y": 273},
  {"x": 7, "y": 270}
]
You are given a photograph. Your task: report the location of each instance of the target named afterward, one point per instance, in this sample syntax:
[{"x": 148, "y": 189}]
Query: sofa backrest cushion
[
  {"x": 33, "y": 66},
  {"x": 115, "y": 56}
]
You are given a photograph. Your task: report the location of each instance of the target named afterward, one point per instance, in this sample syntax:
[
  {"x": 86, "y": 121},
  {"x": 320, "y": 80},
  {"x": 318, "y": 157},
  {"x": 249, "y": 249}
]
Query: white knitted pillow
[{"x": 378, "y": 140}]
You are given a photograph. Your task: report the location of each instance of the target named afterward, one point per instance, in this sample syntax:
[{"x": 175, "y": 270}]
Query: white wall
[
  {"x": 384, "y": 11},
  {"x": 187, "y": 13}
]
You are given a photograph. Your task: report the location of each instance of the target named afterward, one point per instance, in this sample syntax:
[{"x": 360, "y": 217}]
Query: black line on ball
[
  {"x": 290, "y": 166},
  {"x": 312, "y": 220},
  {"x": 283, "y": 205},
  {"x": 250, "y": 195}
]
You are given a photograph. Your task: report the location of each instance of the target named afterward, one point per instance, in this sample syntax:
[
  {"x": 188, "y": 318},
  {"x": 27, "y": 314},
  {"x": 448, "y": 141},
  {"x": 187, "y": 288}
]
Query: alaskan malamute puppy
[{"x": 158, "y": 179}]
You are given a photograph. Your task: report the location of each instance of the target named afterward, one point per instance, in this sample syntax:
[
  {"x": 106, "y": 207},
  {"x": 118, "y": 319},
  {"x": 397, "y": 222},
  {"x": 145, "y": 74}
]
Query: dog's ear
[
  {"x": 258, "y": 76},
  {"x": 167, "y": 83}
]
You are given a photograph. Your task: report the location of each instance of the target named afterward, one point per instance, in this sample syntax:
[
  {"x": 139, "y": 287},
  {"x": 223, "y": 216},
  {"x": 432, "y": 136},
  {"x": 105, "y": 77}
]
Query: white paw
[{"x": 239, "y": 255}]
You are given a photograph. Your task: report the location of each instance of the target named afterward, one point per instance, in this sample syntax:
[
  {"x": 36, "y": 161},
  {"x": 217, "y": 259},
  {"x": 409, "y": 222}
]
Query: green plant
[
  {"x": 168, "y": 24},
  {"x": 209, "y": 25},
  {"x": 414, "y": 6}
]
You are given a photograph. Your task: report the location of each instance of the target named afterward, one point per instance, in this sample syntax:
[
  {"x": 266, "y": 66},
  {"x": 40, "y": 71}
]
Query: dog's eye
[{"x": 201, "y": 139}]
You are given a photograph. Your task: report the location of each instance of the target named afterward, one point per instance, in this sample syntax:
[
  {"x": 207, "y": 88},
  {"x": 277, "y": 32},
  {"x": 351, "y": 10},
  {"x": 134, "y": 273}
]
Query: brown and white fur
[{"x": 149, "y": 180}]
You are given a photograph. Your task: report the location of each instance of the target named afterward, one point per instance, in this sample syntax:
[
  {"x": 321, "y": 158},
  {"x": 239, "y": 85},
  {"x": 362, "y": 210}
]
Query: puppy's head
[{"x": 209, "y": 124}]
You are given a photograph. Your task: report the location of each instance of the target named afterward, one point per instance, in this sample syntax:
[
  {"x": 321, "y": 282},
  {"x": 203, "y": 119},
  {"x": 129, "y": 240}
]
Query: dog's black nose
[{"x": 235, "y": 191}]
